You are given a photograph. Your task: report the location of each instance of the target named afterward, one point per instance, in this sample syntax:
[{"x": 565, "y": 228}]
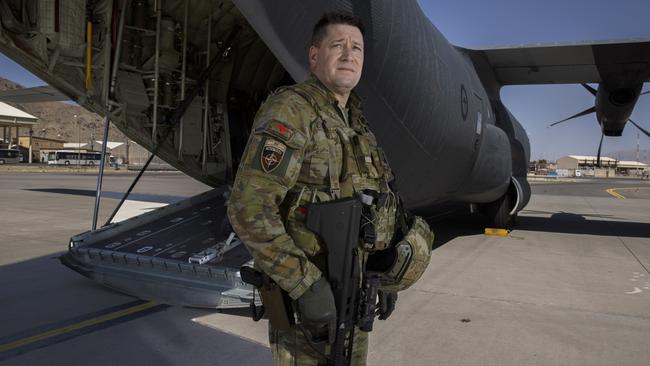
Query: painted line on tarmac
[
  {"x": 48, "y": 335},
  {"x": 613, "y": 192}
]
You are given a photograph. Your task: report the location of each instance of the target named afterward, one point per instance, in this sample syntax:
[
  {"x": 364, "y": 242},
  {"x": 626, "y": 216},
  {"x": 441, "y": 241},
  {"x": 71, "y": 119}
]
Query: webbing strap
[
  {"x": 334, "y": 177},
  {"x": 335, "y": 185}
]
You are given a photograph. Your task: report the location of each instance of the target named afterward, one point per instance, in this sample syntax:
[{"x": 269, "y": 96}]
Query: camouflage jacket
[{"x": 303, "y": 149}]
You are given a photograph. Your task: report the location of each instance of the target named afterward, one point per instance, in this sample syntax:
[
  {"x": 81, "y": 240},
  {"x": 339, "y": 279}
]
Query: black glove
[
  {"x": 387, "y": 300},
  {"x": 318, "y": 310}
]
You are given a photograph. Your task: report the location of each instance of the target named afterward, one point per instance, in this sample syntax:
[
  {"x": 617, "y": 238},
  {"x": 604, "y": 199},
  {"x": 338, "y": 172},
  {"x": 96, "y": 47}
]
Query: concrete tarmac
[{"x": 569, "y": 286}]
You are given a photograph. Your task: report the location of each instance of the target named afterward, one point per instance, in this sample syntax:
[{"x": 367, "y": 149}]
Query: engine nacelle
[{"x": 614, "y": 105}]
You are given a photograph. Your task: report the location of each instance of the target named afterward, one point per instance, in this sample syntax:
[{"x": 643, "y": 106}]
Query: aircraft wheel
[{"x": 498, "y": 213}]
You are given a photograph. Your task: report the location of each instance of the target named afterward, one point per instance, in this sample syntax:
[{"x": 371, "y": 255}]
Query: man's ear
[{"x": 313, "y": 56}]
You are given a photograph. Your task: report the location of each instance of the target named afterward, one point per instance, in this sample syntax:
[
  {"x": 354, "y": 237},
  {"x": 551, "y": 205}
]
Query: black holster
[{"x": 276, "y": 303}]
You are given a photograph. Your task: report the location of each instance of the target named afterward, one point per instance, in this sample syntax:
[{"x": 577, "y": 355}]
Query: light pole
[{"x": 78, "y": 141}]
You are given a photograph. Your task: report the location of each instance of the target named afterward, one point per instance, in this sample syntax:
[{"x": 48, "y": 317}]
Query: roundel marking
[{"x": 464, "y": 104}]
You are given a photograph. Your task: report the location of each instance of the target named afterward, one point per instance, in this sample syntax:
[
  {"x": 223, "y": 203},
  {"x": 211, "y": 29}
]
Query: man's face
[{"x": 338, "y": 61}]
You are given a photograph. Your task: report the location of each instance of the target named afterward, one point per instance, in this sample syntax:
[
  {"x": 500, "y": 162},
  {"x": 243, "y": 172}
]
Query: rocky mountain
[{"x": 57, "y": 120}]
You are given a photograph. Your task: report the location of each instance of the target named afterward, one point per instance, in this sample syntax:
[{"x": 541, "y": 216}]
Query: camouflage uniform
[{"x": 304, "y": 148}]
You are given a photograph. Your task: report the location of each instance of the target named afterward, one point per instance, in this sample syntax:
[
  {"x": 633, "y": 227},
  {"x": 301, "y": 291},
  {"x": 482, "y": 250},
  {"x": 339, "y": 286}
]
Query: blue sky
[{"x": 476, "y": 23}]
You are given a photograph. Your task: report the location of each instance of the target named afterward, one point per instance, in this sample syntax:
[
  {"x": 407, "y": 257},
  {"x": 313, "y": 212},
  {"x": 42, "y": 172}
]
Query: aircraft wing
[
  {"x": 565, "y": 63},
  {"x": 32, "y": 95}
]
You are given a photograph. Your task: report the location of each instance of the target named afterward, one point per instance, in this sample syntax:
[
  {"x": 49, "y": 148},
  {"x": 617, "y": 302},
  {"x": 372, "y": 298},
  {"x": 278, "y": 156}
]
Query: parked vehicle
[
  {"x": 73, "y": 157},
  {"x": 10, "y": 156}
]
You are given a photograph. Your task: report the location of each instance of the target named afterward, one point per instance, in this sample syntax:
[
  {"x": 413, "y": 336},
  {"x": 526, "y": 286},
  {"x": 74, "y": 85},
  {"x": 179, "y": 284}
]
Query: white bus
[
  {"x": 9, "y": 156},
  {"x": 73, "y": 157}
]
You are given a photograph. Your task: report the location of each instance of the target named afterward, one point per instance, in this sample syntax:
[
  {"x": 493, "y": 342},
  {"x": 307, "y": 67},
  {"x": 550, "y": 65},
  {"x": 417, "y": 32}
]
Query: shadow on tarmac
[
  {"x": 157, "y": 198},
  {"x": 45, "y": 303},
  {"x": 570, "y": 223},
  {"x": 458, "y": 225},
  {"x": 448, "y": 228}
]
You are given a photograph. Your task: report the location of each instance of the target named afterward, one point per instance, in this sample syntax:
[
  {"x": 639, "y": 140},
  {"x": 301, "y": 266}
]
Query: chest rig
[{"x": 345, "y": 161}]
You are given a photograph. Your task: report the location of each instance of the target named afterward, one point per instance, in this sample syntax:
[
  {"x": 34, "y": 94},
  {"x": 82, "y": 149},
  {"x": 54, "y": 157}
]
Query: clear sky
[{"x": 480, "y": 23}]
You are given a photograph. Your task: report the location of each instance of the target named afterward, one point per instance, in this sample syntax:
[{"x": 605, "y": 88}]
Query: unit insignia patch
[{"x": 272, "y": 155}]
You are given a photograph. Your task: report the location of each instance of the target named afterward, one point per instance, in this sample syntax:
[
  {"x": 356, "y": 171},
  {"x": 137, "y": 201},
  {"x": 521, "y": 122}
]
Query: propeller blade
[
  {"x": 590, "y": 89},
  {"x": 583, "y": 113},
  {"x": 600, "y": 145},
  {"x": 645, "y": 132}
]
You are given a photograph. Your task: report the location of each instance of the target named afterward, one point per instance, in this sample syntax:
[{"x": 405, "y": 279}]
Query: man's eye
[{"x": 338, "y": 45}]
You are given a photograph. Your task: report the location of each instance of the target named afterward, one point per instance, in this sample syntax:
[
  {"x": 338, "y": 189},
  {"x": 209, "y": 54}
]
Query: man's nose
[{"x": 347, "y": 53}]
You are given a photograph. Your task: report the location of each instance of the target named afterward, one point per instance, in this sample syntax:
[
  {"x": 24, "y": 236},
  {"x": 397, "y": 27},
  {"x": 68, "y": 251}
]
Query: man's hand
[
  {"x": 387, "y": 300},
  {"x": 318, "y": 310}
]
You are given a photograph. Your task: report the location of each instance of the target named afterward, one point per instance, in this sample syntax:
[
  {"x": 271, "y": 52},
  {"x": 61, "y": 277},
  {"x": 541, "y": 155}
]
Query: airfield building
[
  {"x": 40, "y": 146},
  {"x": 632, "y": 169},
  {"x": 14, "y": 119},
  {"x": 586, "y": 166}
]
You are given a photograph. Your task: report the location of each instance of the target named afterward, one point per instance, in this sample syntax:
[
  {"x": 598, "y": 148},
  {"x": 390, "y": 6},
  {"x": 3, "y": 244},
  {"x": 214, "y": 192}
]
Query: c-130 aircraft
[{"x": 184, "y": 79}]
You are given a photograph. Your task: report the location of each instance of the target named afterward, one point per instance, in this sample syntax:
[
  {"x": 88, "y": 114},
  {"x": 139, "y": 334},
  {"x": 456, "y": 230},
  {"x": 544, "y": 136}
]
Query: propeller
[
  {"x": 600, "y": 145},
  {"x": 583, "y": 113},
  {"x": 645, "y": 132},
  {"x": 590, "y": 89},
  {"x": 587, "y": 111}
]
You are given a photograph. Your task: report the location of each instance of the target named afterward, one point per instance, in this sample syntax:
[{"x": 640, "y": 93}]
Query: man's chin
[{"x": 346, "y": 83}]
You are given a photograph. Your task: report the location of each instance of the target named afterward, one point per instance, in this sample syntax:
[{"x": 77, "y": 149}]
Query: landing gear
[{"x": 498, "y": 213}]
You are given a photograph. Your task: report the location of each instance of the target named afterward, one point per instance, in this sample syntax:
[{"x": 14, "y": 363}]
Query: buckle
[{"x": 335, "y": 193}]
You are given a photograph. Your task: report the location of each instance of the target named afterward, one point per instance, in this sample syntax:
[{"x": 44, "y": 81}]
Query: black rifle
[{"x": 337, "y": 224}]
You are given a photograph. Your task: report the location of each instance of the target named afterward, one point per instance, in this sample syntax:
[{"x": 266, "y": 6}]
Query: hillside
[{"x": 57, "y": 121}]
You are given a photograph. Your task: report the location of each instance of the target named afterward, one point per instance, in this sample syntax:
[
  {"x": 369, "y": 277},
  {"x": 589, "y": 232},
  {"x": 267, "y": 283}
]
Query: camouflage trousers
[{"x": 290, "y": 348}]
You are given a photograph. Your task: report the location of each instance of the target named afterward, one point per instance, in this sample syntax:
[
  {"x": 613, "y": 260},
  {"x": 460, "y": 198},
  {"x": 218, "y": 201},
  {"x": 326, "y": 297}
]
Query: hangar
[
  {"x": 14, "y": 118},
  {"x": 581, "y": 165},
  {"x": 632, "y": 168}
]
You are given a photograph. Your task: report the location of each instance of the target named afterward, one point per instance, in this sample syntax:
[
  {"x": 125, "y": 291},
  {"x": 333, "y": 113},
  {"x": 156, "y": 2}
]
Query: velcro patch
[
  {"x": 281, "y": 131},
  {"x": 272, "y": 154}
]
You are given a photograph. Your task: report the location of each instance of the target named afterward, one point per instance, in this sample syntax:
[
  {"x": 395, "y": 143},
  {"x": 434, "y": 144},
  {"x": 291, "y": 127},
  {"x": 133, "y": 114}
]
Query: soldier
[{"x": 311, "y": 143}]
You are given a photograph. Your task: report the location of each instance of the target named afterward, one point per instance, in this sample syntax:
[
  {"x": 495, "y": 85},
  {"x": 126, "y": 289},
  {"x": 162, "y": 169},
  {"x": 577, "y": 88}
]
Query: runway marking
[
  {"x": 64, "y": 332},
  {"x": 613, "y": 192},
  {"x": 636, "y": 291}
]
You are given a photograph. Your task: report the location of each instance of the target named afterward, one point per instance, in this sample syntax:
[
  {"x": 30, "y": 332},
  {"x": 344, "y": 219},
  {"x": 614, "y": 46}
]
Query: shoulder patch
[
  {"x": 272, "y": 155},
  {"x": 280, "y": 130},
  {"x": 283, "y": 132}
]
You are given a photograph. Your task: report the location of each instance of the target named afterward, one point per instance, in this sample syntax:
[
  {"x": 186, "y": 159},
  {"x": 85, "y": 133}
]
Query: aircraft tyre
[{"x": 498, "y": 213}]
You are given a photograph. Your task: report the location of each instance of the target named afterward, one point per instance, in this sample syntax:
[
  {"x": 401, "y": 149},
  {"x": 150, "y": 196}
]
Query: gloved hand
[
  {"x": 387, "y": 300},
  {"x": 318, "y": 310}
]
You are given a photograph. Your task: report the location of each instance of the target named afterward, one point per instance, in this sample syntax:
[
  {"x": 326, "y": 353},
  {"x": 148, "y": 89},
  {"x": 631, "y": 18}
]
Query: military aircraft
[{"x": 184, "y": 78}]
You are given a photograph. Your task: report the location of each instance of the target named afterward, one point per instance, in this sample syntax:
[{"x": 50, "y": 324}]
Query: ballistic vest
[{"x": 344, "y": 162}]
